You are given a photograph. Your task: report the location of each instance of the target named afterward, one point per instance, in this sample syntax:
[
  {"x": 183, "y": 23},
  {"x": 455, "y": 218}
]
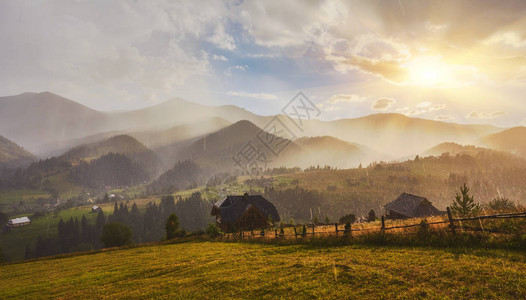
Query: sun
[{"x": 428, "y": 71}]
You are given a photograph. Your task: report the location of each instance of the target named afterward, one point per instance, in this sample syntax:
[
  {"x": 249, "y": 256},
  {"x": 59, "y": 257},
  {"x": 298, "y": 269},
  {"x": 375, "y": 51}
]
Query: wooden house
[
  {"x": 245, "y": 212},
  {"x": 410, "y": 206}
]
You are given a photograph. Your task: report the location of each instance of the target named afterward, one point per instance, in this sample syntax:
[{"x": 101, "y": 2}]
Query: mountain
[
  {"x": 454, "y": 149},
  {"x": 35, "y": 119},
  {"x": 14, "y": 156},
  {"x": 120, "y": 144},
  {"x": 177, "y": 112},
  {"x": 44, "y": 123},
  {"x": 163, "y": 137},
  {"x": 152, "y": 138},
  {"x": 512, "y": 140},
  {"x": 398, "y": 135},
  {"x": 327, "y": 150},
  {"x": 220, "y": 150}
]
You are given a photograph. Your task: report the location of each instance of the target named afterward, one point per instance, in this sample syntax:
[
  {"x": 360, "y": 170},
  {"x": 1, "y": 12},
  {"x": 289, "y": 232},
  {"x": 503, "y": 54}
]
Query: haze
[{"x": 453, "y": 61}]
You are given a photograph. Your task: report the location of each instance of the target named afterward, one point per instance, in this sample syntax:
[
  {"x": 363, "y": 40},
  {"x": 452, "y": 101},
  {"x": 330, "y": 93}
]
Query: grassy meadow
[
  {"x": 241, "y": 270},
  {"x": 14, "y": 242}
]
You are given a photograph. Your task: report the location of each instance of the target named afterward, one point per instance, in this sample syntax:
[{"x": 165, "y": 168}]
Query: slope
[
  {"x": 13, "y": 156},
  {"x": 512, "y": 140},
  {"x": 121, "y": 144},
  {"x": 34, "y": 119},
  {"x": 198, "y": 270},
  {"x": 327, "y": 150}
]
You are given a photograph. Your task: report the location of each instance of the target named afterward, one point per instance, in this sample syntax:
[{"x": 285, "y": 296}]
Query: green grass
[
  {"x": 241, "y": 270},
  {"x": 13, "y": 243},
  {"x": 64, "y": 186},
  {"x": 29, "y": 197}
]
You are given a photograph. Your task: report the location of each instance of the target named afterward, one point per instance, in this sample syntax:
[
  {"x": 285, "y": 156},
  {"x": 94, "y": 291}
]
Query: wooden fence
[{"x": 454, "y": 225}]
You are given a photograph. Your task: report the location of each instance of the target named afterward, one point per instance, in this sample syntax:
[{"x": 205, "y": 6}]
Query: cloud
[
  {"x": 421, "y": 108},
  {"x": 346, "y": 98},
  {"x": 383, "y": 104},
  {"x": 263, "y": 96},
  {"x": 230, "y": 69},
  {"x": 415, "y": 111},
  {"x": 107, "y": 54},
  {"x": 221, "y": 39},
  {"x": 437, "y": 107},
  {"x": 444, "y": 118},
  {"x": 219, "y": 57},
  {"x": 485, "y": 115},
  {"x": 508, "y": 38},
  {"x": 424, "y": 104}
]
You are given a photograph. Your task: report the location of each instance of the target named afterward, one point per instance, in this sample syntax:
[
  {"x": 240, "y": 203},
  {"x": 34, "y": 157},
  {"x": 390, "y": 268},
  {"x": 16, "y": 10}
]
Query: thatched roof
[
  {"x": 412, "y": 206},
  {"x": 232, "y": 207}
]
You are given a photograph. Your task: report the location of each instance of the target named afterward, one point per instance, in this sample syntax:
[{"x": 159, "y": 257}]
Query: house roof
[
  {"x": 19, "y": 220},
  {"x": 232, "y": 207},
  {"x": 410, "y": 205}
]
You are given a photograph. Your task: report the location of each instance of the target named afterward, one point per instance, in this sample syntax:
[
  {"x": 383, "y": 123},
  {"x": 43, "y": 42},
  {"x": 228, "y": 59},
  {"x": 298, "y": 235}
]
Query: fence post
[
  {"x": 275, "y": 233},
  {"x": 383, "y": 222},
  {"x": 295, "y": 233},
  {"x": 313, "y": 230},
  {"x": 451, "y": 224},
  {"x": 336, "y": 228}
]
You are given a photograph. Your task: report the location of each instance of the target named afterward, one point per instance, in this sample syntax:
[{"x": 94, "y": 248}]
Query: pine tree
[
  {"x": 27, "y": 253},
  {"x": 464, "y": 204},
  {"x": 101, "y": 221},
  {"x": 171, "y": 226},
  {"x": 75, "y": 233},
  {"x": 84, "y": 229}
]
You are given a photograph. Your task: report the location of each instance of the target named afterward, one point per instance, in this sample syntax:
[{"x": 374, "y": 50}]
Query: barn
[
  {"x": 246, "y": 212},
  {"x": 17, "y": 222},
  {"x": 410, "y": 206}
]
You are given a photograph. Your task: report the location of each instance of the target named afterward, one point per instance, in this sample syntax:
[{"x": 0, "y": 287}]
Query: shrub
[
  {"x": 423, "y": 233},
  {"x": 348, "y": 228},
  {"x": 212, "y": 230},
  {"x": 372, "y": 216},
  {"x": 116, "y": 234},
  {"x": 172, "y": 226},
  {"x": 350, "y": 218},
  {"x": 501, "y": 204}
]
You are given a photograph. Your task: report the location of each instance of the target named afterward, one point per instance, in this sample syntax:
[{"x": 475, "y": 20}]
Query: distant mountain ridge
[
  {"x": 328, "y": 150},
  {"x": 216, "y": 150},
  {"x": 455, "y": 149},
  {"x": 33, "y": 119},
  {"x": 120, "y": 144},
  {"x": 512, "y": 140},
  {"x": 14, "y": 156},
  {"x": 42, "y": 122}
]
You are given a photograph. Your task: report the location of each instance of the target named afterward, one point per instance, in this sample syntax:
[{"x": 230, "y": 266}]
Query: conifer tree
[
  {"x": 171, "y": 226},
  {"x": 464, "y": 204}
]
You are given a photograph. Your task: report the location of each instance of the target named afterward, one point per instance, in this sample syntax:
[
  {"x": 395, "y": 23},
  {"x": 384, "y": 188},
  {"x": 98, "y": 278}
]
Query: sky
[{"x": 454, "y": 61}]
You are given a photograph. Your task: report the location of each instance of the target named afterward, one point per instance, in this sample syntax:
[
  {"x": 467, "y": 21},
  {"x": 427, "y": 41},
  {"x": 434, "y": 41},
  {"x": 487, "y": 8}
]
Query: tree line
[{"x": 146, "y": 226}]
